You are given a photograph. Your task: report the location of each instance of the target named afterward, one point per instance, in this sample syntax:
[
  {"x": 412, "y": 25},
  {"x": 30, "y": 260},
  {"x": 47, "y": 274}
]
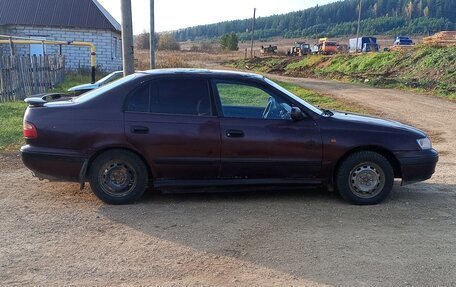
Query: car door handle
[
  {"x": 234, "y": 134},
  {"x": 139, "y": 130}
]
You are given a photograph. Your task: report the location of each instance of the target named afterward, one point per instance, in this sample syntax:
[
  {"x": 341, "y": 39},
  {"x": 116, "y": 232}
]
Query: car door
[
  {"x": 171, "y": 121},
  {"x": 259, "y": 138}
]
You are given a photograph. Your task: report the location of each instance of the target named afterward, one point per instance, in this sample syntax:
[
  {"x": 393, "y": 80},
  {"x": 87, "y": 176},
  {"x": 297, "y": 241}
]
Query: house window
[{"x": 37, "y": 49}]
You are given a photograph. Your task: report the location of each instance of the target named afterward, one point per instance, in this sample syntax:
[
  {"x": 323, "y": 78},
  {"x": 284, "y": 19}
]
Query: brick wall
[{"x": 107, "y": 43}]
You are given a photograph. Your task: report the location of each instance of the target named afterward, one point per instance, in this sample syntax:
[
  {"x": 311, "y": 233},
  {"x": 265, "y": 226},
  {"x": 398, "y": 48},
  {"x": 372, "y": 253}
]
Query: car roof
[{"x": 202, "y": 72}]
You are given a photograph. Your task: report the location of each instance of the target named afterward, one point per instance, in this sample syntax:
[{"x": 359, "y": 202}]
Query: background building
[{"x": 63, "y": 20}]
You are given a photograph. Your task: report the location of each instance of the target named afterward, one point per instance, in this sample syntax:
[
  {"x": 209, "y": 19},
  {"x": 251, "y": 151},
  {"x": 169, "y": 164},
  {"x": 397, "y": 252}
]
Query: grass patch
[
  {"x": 233, "y": 94},
  {"x": 308, "y": 61},
  {"x": 11, "y": 114}
]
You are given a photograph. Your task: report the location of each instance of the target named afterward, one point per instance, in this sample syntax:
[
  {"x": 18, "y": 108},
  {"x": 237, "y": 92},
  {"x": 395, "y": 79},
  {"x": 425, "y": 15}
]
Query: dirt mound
[{"x": 444, "y": 38}]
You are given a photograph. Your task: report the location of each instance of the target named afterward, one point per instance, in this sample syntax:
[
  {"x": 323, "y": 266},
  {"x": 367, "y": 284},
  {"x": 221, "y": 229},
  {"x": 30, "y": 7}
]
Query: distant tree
[
  {"x": 426, "y": 12},
  {"x": 167, "y": 41},
  {"x": 419, "y": 8},
  {"x": 230, "y": 42},
  {"x": 375, "y": 9},
  {"x": 142, "y": 41},
  {"x": 409, "y": 10},
  {"x": 386, "y": 14}
]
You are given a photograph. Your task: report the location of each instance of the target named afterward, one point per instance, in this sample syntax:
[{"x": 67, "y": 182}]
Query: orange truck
[{"x": 325, "y": 47}]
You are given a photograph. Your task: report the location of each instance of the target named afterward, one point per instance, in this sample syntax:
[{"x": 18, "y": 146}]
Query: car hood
[
  {"x": 84, "y": 87},
  {"x": 375, "y": 122}
]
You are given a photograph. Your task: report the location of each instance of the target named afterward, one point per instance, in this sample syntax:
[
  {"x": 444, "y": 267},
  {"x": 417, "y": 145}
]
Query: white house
[{"x": 63, "y": 20}]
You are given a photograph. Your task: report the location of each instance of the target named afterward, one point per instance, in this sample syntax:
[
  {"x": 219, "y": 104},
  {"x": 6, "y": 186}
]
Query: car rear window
[{"x": 96, "y": 92}]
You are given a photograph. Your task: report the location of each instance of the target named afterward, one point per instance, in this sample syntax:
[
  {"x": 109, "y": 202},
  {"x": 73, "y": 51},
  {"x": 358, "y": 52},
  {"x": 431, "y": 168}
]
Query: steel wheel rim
[
  {"x": 366, "y": 180},
  {"x": 117, "y": 178}
]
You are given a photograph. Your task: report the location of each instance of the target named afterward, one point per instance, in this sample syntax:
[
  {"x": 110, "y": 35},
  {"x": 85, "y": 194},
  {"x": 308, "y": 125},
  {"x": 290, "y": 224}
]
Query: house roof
[{"x": 57, "y": 13}]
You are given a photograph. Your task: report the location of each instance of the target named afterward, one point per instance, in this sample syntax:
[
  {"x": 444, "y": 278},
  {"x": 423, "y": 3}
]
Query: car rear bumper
[
  {"x": 417, "y": 165},
  {"x": 64, "y": 165}
]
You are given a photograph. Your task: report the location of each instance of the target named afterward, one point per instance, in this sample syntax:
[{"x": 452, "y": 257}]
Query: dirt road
[{"x": 52, "y": 234}]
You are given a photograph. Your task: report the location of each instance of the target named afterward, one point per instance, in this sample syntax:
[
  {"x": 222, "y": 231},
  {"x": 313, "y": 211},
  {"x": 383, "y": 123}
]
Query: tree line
[{"x": 339, "y": 18}]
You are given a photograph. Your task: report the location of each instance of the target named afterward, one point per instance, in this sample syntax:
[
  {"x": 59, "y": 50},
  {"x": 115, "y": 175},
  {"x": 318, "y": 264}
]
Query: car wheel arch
[
  {"x": 378, "y": 149},
  {"x": 110, "y": 148}
]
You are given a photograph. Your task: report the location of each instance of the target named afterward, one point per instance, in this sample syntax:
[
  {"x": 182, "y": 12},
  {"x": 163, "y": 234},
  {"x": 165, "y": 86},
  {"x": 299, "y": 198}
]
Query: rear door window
[
  {"x": 140, "y": 99},
  {"x": 182, "y": 97},
  {"x": 172, "y": 96}
]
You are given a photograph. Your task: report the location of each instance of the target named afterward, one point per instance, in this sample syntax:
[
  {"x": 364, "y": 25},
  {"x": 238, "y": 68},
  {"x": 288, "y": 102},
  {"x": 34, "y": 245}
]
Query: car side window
[
  {"x": 172, "y": 96},
  {"x": 181, "y": 96},
  {"x": 139, "y": 100},
  {"x": 239, "y": 100}
]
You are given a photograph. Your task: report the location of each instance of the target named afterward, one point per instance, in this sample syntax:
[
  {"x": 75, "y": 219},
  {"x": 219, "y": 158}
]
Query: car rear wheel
[
  {"x": 118, "y": 177},
  {"x": 364, "y": 178}
]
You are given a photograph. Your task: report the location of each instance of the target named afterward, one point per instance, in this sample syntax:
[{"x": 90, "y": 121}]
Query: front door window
[{"x": 246, "y": 101}]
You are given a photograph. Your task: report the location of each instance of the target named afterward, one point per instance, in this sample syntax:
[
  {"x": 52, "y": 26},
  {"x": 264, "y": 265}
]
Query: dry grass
[{"x": 185, "y": 59}]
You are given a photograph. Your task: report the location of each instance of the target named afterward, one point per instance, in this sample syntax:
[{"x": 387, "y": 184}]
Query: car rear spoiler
[{"x": 40, "y": 99}]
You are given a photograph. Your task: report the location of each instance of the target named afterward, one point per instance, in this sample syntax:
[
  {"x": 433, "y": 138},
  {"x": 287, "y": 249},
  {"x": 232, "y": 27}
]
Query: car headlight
[{"x": 424, "y": 143}]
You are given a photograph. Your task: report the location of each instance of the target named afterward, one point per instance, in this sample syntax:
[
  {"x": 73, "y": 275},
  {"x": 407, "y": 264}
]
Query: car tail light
[{"x": 29, "y": 131}]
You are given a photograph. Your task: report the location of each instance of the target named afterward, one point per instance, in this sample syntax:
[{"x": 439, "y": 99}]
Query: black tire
[
  {"x": 364, "y": 178},
  {"x": 118, "y": 177}
]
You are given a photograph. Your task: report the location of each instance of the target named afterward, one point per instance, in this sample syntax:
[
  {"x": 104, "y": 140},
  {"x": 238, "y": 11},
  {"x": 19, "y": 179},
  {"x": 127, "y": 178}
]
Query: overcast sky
[{"x": 175, "y": 14}]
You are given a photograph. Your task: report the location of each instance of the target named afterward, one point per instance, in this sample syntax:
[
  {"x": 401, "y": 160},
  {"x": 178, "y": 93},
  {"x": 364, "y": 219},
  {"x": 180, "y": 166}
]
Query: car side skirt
[{"x": 234, "y": 185}]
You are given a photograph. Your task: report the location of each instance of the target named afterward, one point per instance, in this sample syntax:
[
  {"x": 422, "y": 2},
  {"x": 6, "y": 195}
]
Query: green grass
[
  {"x": 308, "y": 61},
  {"x": 231, "y": 94},
  {"x": 11, "y": 114}
]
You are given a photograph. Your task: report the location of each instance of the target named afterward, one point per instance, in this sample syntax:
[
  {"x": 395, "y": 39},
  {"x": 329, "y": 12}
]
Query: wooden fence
[{"x": 23, "y": 76}]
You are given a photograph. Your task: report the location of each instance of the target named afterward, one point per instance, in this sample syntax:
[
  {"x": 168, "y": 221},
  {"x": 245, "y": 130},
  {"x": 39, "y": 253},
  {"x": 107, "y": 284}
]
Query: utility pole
[
  {"x": 127, "y": 38},
  {"x": 357, "y": 30},
  {"x": 152, "y": 34},
  {"x": 253, "y": 31}
]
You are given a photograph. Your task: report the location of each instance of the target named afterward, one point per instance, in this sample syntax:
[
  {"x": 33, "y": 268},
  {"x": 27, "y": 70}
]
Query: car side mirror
[{"x": 296, "y": 114}]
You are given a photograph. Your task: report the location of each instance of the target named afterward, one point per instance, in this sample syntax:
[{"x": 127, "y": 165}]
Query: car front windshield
[
  {"x": 294, "y": 97},
  {"x": 95, "y": 93}
]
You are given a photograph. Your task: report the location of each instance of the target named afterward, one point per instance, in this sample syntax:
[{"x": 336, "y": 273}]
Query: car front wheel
[
  {"x": 118, "y": 177},
  {"x": 364, "y": 178}
]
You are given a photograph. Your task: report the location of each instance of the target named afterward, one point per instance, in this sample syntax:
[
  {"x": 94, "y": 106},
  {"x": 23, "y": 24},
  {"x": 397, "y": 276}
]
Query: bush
[
  {"x": 142, "y": 41},
  {"x": 229, "y": 42},
  {"x": 168, "y": 42}
]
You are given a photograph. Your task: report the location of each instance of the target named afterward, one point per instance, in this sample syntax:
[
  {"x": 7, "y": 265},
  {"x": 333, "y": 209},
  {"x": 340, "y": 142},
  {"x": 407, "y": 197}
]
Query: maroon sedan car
[{"x": 176, "y": 129}]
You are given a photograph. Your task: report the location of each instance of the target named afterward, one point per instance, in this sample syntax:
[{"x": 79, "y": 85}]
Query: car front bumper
[
  {"x": 417, "y": 165},
  {"x": 61, "y": 165}
]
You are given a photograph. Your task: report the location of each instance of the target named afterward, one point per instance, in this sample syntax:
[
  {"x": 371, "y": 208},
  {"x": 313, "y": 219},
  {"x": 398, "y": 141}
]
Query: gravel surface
[{"x": 52, "y": 234}]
